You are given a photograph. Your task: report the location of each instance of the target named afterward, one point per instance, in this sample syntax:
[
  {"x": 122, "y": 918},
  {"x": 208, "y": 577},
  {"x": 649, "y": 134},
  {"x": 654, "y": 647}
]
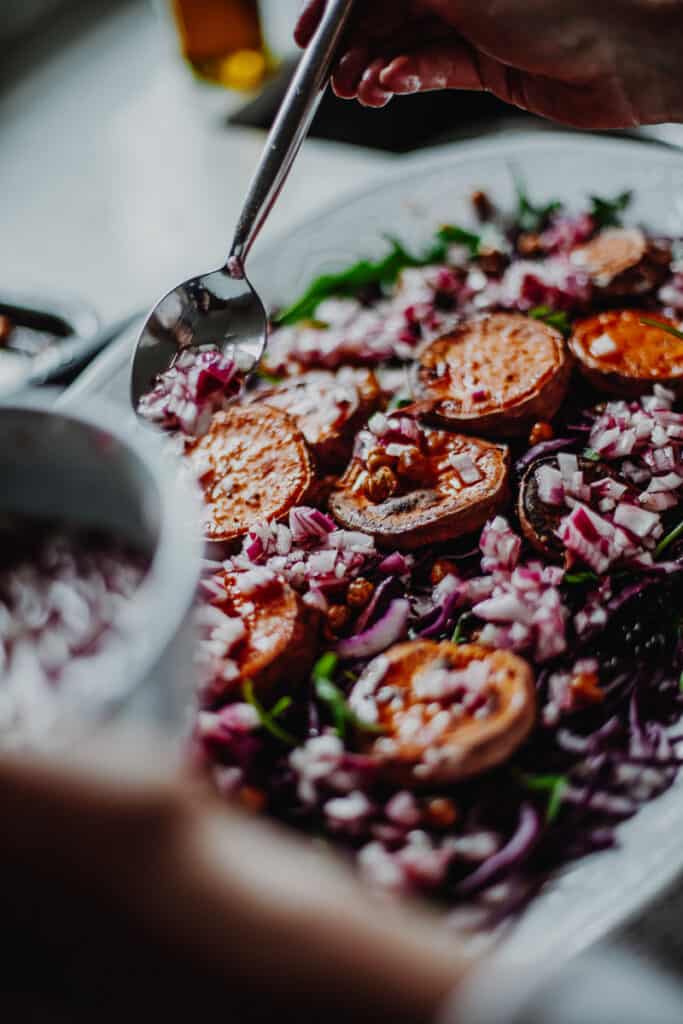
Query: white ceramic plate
[{"x": 594, "y": 896}]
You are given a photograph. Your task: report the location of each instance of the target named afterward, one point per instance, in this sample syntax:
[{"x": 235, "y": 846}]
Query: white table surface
[{"x": 119, "y": 177}]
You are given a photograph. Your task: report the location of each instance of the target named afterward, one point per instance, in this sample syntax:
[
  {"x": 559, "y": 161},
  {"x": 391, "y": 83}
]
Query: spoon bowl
[
  {"x": 221, "y": 309},
  {"x": 217, "y": 310}
]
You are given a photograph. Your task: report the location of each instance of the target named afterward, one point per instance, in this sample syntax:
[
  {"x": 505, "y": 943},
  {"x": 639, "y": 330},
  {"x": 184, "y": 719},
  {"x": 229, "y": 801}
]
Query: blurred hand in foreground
[
  {"x": 130, "y": 892},
  {"x": 588, "y": 63}
]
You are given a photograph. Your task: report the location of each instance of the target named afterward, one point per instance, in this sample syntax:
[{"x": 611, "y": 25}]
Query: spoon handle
[{"x": 289, "y": 129}]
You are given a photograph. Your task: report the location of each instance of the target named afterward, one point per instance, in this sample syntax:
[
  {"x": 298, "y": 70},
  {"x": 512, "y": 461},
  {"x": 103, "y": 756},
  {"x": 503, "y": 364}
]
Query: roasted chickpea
[
  {"x": 441, "y": 812},
  {"x": 359, "y": 593},
  {"x": 337, "y": 617},
  {"x": 483, "y": 207},
  {"x": 381, "y": 485},
  {"x": 540, "y": 432},
  {"x": 378, "y": 458},
  {"x": 529, "y": 244},
  {"x": 413, "y": 466},
  {"x": 440, "y": 570},
  {"x": 492, "y": 261},
  {"x": 586, "y": 687}
]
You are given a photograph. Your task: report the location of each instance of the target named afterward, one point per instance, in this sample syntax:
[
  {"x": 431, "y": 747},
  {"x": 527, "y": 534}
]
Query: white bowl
[{"x": 94, "y": 468}]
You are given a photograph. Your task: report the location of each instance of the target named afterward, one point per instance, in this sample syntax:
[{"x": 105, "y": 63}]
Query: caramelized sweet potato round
[
  {"x": 328, "y": 408},
  {"x": 252, "y": 465},
  {"x": 622, "y": 262},
  {"x": 277, "y": 640},
  {"x": 448, "y": 712},
  {"x": 496, "y": 374},
  {"x": 540, "y": 520},
  {"x": 455, "y": 489},
  {"x": 621, "y": 355}
]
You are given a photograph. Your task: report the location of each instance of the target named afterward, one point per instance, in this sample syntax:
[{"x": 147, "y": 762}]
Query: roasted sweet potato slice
[
  {"x": 253, "y": 464},
  {"x": 540, "y": 519},
  {"x": 329, "y": 408},
  {"x": 267, "y": 632},
  {"x": 621, "y": 355},
  {"x": 406, "y": 496},
  {"x": 496, "y": 374},
  {"x": 622, "y": 262},
  {"x": 447, "y": 712}
]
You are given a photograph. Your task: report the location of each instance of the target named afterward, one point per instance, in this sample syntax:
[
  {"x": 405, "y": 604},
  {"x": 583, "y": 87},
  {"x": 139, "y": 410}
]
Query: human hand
[
  {"x": 129, "y": 889},
  {"x": 588, "y": 63}
]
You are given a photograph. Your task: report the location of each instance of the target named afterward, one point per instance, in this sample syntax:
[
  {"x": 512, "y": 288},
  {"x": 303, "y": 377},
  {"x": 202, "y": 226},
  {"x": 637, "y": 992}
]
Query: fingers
[
  {"x": 360, "y": 64},
  {"x": 308, "y": 22},
  {"x": 370, "y": 91},
  {"x": 443, "y": 65},
  {"x": 349, "y": 72}
]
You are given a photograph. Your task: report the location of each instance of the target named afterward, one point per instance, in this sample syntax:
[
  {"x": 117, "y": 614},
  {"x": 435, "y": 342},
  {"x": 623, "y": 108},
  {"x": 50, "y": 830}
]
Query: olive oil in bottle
[{"x": 222, "y": 41}]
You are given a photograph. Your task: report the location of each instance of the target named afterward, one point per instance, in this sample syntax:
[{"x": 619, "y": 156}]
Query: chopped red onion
[
  {"x": 376, "y": 638},
  {"x": 186, "y": 396},
  {"x": 499, "y": 545},
  {"x": 636, "y": 520},
  {"x": 550, "y": 485},
  {"x": 64, "y": 617}
]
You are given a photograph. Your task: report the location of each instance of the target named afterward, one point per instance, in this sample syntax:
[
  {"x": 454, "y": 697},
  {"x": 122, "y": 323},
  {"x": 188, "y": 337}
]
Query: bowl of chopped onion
[{"x": 99, "y": 562}]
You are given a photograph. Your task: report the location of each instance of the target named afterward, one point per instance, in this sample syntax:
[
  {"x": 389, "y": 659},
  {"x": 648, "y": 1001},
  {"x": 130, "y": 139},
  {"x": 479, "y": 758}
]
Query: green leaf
[
  {"x": 554, "y": 318},
  {"x": 452, "y": 235},
  {"x": 459, "y": 633},
  {"x": 398, "y": 403},
  {"x": 607, "y": 212},
  {"x": 330, "y": 694},
  {"x": 384, "y": 271},
  {"x": 553, "y": 785},
  {"x": 680, "y": 682},
  {"x": 326, "y": 666},
  {"x": 267, "y": 718},
  {"x": 530, "y": 217},
  {"x": 282, "y": 705},
  {"x": 577, "y": 579},
  {"x": 665, "y": 542},
  {"x": 668, "y": 328},
  {"x": 591, "y": 454},
  {"x": 349, "y": 282}
]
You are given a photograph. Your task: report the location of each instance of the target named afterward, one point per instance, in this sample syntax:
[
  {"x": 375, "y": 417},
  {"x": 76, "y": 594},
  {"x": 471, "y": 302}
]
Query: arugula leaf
[
  {"x": 326, "y": 666},
  {"x": 532, "y": 218},
  {"x": 268, "y": 718},
  {"x": 554, "y": 318},
  {"x": 680, "y": 682},
  {"x": 665, "y": 542},
  {"x": 330, "y": 694},
  {"x": 577, "y": 579},
  {"x": 459, "y": 634},
  {"x": 381, "y": 272},
  {"x": 606, "y": 212},
  {"x": 668, "y": 328},
  {"x": 452, "y": 235},
  {"x": 398, "y": 403},
  {"x": 282, "y": 705},
  {"x": 554, "y": 786},
  {"x": 590, "y": 454}
]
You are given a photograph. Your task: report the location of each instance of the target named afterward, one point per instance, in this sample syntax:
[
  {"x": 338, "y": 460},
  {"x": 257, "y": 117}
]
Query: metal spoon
[{"x": 221, "y": 308}]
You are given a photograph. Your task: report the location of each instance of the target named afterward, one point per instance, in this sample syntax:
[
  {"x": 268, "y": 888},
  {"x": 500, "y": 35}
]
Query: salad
[{"x": 440, "y": 614}]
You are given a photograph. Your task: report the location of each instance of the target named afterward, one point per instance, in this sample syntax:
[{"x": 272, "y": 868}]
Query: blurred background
[{"x": 130, "y": 129}]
